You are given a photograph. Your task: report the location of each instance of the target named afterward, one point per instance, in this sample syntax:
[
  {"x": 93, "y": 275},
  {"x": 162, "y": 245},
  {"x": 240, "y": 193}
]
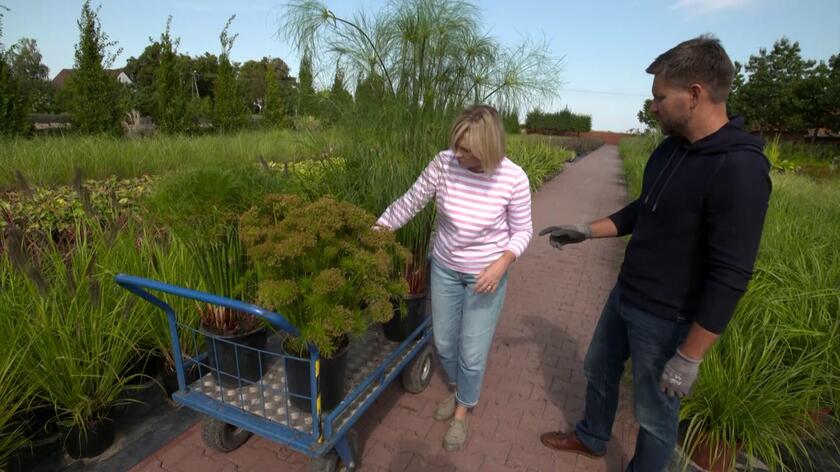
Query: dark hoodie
[{"x": 696, "y": 227}]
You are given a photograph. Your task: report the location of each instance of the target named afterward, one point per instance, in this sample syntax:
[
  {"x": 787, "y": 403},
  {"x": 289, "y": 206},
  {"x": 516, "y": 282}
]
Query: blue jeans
[
  {"x": 625, "y": 331},
  {"x": 463, "y": 323}
]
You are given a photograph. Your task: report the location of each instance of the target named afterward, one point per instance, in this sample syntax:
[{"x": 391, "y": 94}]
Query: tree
[
  {"x": 229, "y": 111},
  {"x": 768, "y": 96},
  {"x": 833, "y": 93},
  {"x": 646, "y": 117},
  {"x": 510, "y": 121},
  {"x": 339, "y": 100},
  {"x": 142, "y": 71},
  {"x": 370, "y": 97},
  {"x": 205, "y": 70},
  {"x": 171, "y": 89},
  {"x": 274, "y": 110},
  {"x": 12, "y": 106},
  {"x": 94, "y": 96},
  {"x": 25, "y": 60},
  {"x": 307, "y": 101}
]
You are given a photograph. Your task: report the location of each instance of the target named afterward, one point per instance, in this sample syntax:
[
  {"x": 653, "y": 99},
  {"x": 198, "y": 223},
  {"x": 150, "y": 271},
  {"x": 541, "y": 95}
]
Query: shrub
[{"x": 322, "y": 266}]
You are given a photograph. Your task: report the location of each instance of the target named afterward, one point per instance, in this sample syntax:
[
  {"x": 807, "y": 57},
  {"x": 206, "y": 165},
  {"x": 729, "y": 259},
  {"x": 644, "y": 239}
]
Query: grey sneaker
[
  {"x": 446, "y": 408},
  {"x": 456, "y": 436}
]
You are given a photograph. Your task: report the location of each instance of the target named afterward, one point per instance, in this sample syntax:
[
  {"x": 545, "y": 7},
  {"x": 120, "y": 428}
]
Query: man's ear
[{"x": 696, "y": 92}]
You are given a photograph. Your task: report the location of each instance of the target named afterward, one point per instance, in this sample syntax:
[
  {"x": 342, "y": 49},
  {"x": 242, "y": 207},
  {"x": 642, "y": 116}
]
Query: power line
[{"x": 603, "y": 92}]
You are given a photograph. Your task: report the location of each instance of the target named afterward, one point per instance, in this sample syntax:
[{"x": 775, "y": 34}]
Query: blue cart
[{"x": 266, "y": 406}]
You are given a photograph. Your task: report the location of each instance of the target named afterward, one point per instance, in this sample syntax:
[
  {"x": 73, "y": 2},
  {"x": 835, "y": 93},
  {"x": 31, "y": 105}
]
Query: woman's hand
[{"x": 489, "y": 278}]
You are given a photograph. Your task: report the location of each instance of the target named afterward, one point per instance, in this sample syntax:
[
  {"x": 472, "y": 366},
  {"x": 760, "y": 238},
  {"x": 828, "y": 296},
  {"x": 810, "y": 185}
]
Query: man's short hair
[{"x": 700, "y": 60}]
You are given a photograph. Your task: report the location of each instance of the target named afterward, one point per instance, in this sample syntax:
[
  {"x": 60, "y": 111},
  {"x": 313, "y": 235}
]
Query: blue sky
[{"x": 605, "y": 45}]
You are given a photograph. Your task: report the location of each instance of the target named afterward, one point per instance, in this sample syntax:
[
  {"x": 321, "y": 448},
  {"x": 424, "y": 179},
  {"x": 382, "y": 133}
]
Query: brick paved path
[{"x": 534, "y": 381}]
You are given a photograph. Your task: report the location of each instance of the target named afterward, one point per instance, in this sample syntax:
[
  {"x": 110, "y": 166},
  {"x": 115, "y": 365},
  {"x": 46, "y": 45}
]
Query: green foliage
[
  {"x": 779, "y": 359},
  {"x": 780, "y": 92},
  {"x": 339, "y": 101},
  {"x": 773, "y": 152},
  {"x": 15, "y": 392},
  {"x": 13, "y": 106},
  {"x": 94, "y": 97},
  {"x": 55, "y": 214},
  {"x": 230, "y": 111},
  {"x": 556, "y": 123},
  {"x": 510, "y": 121},
  {"x": 646, "y": 117},
  {"x": 307, "y": 102},
  {"x": 274, "y": 109},
  {"x": 254, "y": 82},
  {"x": 79, "y": 323},
  {"x": 540, "y": 159},
  {"x": 53, "y": 160},
  {"x": 25, "y": 60},
  {"x": 171, "y": 90},
  {"x": 417, "y": 64},
  {"x": 202, "y": 204},
  {"x": 322, "y": 266}
]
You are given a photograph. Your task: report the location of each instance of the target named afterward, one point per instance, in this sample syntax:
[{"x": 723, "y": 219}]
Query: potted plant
[
  {"x": 323, "y": 267},
  {"x": 200, "y": 208},
  {"x": 14, "y": 390},
  {"x": 233, "y": 339},
  {"x": 83, "y": 336}
]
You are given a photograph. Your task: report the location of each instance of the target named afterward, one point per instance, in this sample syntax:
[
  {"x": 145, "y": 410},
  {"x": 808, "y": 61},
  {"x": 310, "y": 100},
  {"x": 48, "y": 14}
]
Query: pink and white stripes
[{"x": 479, "y": 216}]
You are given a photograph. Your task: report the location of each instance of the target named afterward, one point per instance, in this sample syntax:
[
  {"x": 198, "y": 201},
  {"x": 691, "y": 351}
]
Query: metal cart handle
[{"x": 139, "y": 285}]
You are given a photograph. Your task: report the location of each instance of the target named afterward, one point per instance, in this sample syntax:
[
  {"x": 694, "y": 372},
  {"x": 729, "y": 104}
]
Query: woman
[{"x": 483, "y": 224}]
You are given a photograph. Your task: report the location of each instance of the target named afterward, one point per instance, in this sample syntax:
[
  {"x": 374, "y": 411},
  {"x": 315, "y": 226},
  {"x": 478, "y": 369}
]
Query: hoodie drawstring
[{"x": 665, "y": 185}]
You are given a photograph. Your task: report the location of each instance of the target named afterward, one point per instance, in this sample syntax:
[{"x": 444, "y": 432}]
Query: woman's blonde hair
[{"x": 480, "y": 129}]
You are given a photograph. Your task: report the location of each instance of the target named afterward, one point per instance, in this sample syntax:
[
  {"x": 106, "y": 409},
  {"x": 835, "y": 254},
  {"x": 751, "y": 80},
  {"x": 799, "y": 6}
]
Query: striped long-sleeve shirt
[{"x": 479, "y": 216}]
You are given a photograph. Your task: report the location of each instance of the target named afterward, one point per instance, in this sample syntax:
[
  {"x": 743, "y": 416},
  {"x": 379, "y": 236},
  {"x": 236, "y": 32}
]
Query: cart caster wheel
[
  {"x": 331, "y": 462},
  {"x": 223, "y": 437},
  {"x": 418, "y": 373},
  {"x": 325, "y": 463}
]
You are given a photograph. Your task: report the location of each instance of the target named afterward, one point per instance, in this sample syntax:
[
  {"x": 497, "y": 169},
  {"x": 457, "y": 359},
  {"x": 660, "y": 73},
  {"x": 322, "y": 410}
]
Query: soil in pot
[
  {"x": 91, "y": 441},
  {"x": 236, "y": 357},
  {"x": 400, "y": 327},
  {"x": 332, "y": 377}
]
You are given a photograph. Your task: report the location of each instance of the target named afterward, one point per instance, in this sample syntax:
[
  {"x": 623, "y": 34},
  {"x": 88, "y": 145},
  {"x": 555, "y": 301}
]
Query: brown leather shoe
[{"x": 568, "y": 442}]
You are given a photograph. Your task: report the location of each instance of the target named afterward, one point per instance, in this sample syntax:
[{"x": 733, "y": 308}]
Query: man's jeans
[
  {"x": 464, "y": 323},
  {"x": 625, "y": 331}
]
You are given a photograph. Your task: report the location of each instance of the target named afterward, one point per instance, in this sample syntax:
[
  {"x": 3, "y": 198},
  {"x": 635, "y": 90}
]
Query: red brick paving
[{"x": 534, "y": 380}]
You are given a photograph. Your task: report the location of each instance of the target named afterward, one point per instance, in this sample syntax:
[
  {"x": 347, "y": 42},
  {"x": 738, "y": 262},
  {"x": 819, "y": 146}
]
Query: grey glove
[
  {"x": 567, "y": 234},
  {"x": 679, "y": 375}
]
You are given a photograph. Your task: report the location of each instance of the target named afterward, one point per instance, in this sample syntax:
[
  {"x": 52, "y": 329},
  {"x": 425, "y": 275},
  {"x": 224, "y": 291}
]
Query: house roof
[{"x": 61, "y": 78}]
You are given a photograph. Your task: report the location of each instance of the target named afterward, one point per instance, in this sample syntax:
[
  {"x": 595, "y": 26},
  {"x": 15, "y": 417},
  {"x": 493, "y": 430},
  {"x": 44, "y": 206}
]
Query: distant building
[{"x": 119, "y": 74}]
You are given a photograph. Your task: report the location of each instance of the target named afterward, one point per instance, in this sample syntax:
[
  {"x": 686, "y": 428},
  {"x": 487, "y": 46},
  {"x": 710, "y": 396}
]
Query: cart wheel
[
  {"x": 331, "y": 462},
  {"x": 223, "y": 437},
  {"x": 418, "y": 373}
]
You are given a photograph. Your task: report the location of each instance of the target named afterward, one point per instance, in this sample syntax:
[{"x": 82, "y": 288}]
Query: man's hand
[
  {"x": 679, "y": 375},
  {"x": 567, "y": 234}
]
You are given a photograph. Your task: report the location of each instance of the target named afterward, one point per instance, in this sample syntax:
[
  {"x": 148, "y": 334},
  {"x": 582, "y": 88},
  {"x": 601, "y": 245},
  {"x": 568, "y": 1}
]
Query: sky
[{"x": 604, "y": 45}]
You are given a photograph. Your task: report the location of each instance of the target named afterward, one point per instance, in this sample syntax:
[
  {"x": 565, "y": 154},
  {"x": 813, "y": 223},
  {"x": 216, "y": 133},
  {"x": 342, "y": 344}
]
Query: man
[{"x": 695, "y": 233}]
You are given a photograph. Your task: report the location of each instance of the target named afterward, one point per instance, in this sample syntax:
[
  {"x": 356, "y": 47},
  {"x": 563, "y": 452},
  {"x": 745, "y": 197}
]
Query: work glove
[
  {"x": 567, "y": 234},
  {"x": 679, "y": 375}
]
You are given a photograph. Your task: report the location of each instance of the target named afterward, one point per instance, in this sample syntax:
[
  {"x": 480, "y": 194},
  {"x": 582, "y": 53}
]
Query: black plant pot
[
  {"x": 46, "y": 452},
  {"x": 225, "y": 352},
  {"x": 40, "y": 420},
  {"x": 169, "y": 378},
  {"x": 400, "y": 327},
  {"x": 332, "y": 380},
  {"x": 90, "y": 442}
]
